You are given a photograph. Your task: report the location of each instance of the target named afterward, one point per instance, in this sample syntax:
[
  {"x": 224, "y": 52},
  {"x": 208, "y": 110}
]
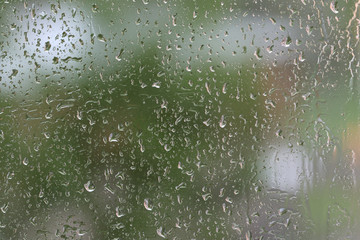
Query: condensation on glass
[{"x": 179, "y": 119}]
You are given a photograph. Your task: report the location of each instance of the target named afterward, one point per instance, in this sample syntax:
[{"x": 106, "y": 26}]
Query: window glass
[{"x": 179, "y": 119}]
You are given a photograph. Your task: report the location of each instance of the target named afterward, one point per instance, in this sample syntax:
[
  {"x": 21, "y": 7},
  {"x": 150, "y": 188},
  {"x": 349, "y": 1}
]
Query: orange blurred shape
[{"x": 351, "y": 141}]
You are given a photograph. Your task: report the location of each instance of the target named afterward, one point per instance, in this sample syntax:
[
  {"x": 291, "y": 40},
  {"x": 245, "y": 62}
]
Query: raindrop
[
  {"x": 25, "y": 161},
  {"x": 14, "y": 73},
  {"x": 12, "y": 26},
  {"x": 73, "y": 12},
  {"x": 167, "y": 147},
  {"x": 207, "y": 122},
  {"x": 156, "y": 85},
  {"x": 89, "y": 186},
  {"x": 333, "y": 7},
  {"x": 147, "y": 204},
  {"x": 101, "y": 38},
  {"x": 4, "y": 208},
  {"x": 80, "y": 232},
  {"x": 95, "y": 8},
  {"x": 118, "y": 212},
  {"x": 222, "y": 122},
  {"x": 270, "y": 49},
  {"x": 47, "y": 46},
  {"x": 118, "y": 57},
  {"x": 55, "y": 60},
  {"x": 286, "y": 42},
  {"x": 142, "y": 148},
  {"x": 113, "y": 138},
  {"x": 282, "y": 211},
  {"x": 224, "y": 88},
  {"x": 301, "y": 57},
  {"x": 206, "y": 196},
  {"x": 41, "y": 193},
  {"x": 257, "y": 54},
  {"x": 229, "y": 200},
  {"x": 160, "y": 232}
]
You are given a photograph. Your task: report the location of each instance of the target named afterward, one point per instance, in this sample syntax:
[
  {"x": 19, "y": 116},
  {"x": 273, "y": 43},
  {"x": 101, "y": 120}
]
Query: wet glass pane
[{"x": 138, "y": 119}]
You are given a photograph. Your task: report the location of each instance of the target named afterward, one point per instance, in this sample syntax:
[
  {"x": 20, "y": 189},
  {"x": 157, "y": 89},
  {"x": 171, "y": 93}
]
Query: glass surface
[{"x": 179, "y": 119}]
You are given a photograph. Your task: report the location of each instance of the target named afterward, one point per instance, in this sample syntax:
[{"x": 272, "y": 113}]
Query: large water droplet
[
  {"x": 257, "y": 54},
  {"x": 222, "y": 122},
  {"x": 101, "y": 38},
  {"x": 286, "y": 42},
  {"x": 147, "y": 204},
  {"x": 119, "y": 213},
  {"x": 47, "y": 46},
  {"x": 333, "y": 7},
  {"x": 26, "y": 161},
  {"x": 89, "y": 186},
  {"x": 160, "y": 232}
]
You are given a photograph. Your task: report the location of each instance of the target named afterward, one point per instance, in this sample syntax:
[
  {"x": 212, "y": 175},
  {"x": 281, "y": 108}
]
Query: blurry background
[{"x": 179, "y": 119}]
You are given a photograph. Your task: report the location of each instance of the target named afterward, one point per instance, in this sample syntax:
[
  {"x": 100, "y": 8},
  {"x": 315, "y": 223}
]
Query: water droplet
[
  {"x": 80, "y": 232},
  {"x": 41, "y": 193},
  {"x": 73, "y": 12},
  {"x": 4, "y": 208},
  {"x": 118, "y": 57},
  {"x": 89, "y": 186},
  {"x": 167, "y": 147},
  {"x": 47, "y": 46},
  {"x": 33, "y": 12},
  {"x": 222, "y": 122},
  {"x": 206, "y": 196},
  {"x": 229, "y": 200},
  {"x": 156, "y": 85},
  {"x": 174, "y": 20},
  {"x": 224, "y": 88},
  {"x": 301, "y": 57},
  {"x": 160, "y": 232},
  {"x": 101, "y": 38},
  {"x": 67, "y": 59},
  {"x": 147, "y": 204},
  {"x": 118, "y": 212},
  {"x": 207, "y": 86},
  {"x": 309, "y": 29},
  {"x": 270, "y": 49},
  {"x": 257, "y": 54},
  {"x": 25, "y": 161},
  {"x": 79, "y": 115},
  {"x": 95, "y": 8},
  {"x": 252, "y": 96},
  {"x": 181, "y": 185},
  {"x": 113, "y": 138},
  {"x": 14, "y": 73},
  {"x": 13, "y": 26},
  {"x": 333, "y": 7},
  {"x": 286, "y": 42},
  {"x": 207, "y": 122},
  {"x": 282, "y": 211},
  {"x": 55, "y": 60}
]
